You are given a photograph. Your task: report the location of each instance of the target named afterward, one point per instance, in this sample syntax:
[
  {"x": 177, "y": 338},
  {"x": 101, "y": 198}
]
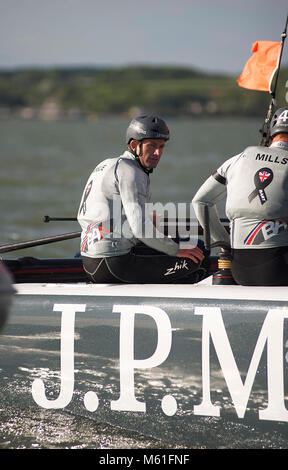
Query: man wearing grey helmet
[
  {"x": 255, "y": 186},
  {"x": 114, "y": 220}
]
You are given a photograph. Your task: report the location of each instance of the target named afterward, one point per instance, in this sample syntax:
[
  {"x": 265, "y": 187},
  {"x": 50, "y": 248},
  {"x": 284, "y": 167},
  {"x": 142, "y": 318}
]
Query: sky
[{"x": 213, "y": 36}]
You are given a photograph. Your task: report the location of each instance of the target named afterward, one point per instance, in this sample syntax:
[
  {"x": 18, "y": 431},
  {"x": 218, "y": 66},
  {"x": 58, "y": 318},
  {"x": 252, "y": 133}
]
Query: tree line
[{"x": 167, "y": 91}]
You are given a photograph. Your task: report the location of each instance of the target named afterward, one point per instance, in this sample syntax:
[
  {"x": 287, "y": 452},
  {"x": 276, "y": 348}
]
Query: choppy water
[
  {"x": 44, "y": 166},
  {"x": 60, "y": 430}
]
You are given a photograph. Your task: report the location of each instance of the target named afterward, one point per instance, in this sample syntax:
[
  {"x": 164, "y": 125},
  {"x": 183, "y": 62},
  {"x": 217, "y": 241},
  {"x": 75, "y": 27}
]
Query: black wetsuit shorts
[
  {"x": 260, "y": 267},
  {"x": 144, "y": 265}
]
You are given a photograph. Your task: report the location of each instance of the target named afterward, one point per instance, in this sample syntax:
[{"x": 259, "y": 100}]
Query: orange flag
[{"x": 260, "y": 68}]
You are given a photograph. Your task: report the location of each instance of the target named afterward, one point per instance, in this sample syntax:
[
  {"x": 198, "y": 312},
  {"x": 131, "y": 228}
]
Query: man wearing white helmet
[
  {"x": 255, "y": 186},
  {"x": 114, "y": 220}
]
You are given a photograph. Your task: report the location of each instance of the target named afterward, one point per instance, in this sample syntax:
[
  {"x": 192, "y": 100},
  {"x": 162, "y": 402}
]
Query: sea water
[{"x": 44, "y": 167}]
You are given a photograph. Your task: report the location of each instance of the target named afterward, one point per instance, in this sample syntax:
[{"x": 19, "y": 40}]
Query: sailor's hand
[
  {"x": 196, "y": 254},
  {"x": 157, "y": 219}
]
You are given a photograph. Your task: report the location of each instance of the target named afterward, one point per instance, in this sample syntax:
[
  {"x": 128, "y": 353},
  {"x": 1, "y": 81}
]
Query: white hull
[{"x": 165, "y": 359}]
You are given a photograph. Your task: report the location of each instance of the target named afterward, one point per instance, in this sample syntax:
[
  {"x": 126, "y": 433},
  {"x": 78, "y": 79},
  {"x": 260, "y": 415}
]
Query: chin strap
[{"x": 138, "y": 159}]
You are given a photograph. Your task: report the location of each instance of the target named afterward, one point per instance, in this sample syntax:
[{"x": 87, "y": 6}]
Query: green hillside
[{"x": 91, "y": 92}]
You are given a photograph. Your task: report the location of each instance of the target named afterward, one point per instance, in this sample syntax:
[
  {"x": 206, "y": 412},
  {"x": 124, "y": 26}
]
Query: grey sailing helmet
[
  {"x": 147, "y": 127},
  {"x": 279, "y": 122}
]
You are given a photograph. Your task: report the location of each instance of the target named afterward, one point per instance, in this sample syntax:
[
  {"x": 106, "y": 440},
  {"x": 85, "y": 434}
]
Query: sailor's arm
[
  {"x": 211, "y": 192},
  {"x": 134, "y": 195}
]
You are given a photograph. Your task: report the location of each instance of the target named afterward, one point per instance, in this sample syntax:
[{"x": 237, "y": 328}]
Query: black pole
[
  {"x": 283, "y": 37},
  {"x": 47, "y": 219},
  {"x": 206, "y": 229},
  {"x": 166, "y": 220},
  {"x": 266, "y": 126},
  {"x": 40, "y": 241}
]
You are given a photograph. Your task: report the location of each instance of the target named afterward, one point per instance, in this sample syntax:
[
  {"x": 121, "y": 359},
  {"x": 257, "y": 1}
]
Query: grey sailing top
[
  {"x": 255, "y": 185},
  {"x": 114, "y": 210}
]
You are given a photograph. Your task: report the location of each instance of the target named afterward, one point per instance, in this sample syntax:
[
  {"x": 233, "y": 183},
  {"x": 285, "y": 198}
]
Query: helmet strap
[
  {"x": 139, "y": 155},
  {"x": 134, "y": 151},
  {"x": 141, "y": 146}
]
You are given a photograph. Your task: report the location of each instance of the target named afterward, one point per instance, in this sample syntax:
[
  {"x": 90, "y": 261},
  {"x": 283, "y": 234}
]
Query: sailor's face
[{"x": 150, "y": 151}]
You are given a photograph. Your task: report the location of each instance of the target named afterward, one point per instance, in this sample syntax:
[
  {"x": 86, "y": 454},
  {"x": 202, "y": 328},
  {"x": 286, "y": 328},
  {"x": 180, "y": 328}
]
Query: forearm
[
  {"x": 206, "y": 197},
  {"x": 144, "y": 229}
]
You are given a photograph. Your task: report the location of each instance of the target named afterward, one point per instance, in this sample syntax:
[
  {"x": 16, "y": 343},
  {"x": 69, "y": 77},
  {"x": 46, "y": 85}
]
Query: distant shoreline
[{"x": 90, "y": 93}]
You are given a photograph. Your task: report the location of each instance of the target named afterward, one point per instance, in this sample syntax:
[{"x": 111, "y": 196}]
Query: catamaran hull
[{"x": 197, "y": 366}]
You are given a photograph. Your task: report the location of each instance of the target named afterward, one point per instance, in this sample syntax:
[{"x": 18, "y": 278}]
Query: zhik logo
[{"x": 176, "y": 267}]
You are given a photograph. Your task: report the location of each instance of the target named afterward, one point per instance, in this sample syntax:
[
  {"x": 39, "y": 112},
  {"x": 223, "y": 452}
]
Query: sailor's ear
[{"x": 133, "y": 144}]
